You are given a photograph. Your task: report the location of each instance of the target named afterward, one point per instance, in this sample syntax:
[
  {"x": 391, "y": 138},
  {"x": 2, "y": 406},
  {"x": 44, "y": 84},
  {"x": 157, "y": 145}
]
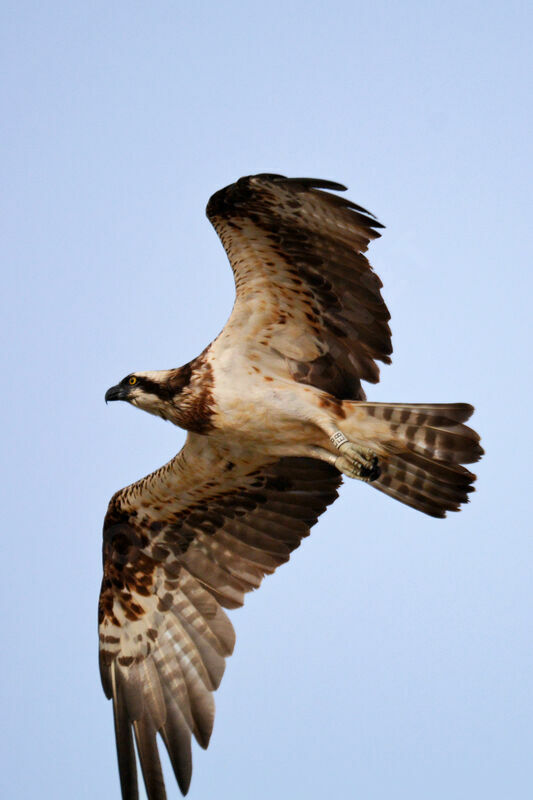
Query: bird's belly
[{"x": 265, "y": 410}]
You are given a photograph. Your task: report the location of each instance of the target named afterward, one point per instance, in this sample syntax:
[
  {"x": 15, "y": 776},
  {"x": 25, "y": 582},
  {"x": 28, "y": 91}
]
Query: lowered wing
[{"x": 179, "y": 545}]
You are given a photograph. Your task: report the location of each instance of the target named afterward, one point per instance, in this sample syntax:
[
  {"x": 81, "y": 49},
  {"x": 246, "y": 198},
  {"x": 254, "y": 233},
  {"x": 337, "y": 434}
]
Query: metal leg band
[{"x": 338, "y": 439}]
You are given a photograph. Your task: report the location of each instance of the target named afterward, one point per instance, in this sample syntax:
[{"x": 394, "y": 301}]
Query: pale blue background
[{"x": 392, "y": 658}]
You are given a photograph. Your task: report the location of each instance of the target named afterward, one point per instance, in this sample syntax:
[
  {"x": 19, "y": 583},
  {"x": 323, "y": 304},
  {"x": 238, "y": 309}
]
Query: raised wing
[
  {"x": 304, "y": 287},
  {"x": 179, "y": 544}
]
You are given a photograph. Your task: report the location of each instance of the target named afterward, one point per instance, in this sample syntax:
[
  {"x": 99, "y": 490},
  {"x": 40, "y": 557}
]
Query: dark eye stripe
[{"x": 153, "y": 387}]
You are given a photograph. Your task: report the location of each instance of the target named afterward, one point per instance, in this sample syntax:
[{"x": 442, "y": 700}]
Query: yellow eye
[{"x": 132, "y": 381}]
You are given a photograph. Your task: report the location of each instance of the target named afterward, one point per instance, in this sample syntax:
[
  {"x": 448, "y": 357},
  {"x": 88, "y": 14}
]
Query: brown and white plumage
[
  {"x": 275, "y": 412},
  {"x": 301, "y": 251},
  {"x": 192, "y": 537}
]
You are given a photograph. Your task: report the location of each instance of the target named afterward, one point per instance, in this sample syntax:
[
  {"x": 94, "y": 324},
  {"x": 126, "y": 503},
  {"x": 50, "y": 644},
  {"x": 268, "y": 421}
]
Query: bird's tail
[{"x": 420, "y": 448}]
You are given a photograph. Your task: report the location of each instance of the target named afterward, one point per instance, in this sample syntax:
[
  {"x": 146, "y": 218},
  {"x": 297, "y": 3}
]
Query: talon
[
  {"x": 359, "y": 455},
  {"x": 355, "y": 461},
  {"x": 373, "y": 472},
  {"x": 354, "y": 469}
]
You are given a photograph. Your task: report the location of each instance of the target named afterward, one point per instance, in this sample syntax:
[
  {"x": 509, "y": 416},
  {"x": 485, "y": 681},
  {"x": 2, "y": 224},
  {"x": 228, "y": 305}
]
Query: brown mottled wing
[
  {"x": 304, "y": 287},
  {"x": 178, "y": 545}
]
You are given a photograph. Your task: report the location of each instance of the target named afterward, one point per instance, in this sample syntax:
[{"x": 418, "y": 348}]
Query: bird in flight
[{"x": 275, "y": 415}]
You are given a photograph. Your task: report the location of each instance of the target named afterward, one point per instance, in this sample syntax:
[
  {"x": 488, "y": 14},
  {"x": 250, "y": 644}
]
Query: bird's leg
[
  {"x": 355, "y": 461},
  {"x": 364, "y": 468}
]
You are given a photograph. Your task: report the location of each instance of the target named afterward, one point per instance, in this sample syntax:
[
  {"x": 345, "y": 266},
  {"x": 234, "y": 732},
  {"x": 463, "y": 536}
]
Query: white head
[{"x": 147, "y": 390}]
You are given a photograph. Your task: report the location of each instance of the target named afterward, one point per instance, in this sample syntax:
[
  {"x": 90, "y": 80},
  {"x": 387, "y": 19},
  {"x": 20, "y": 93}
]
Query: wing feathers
[
  {"x": 210, "y": 613},
  {"x": 133, "y": 691},
  {"x": 214, "y": 663},
  {"x": 302, "y": 248},
  {"x": 254, "y": 556},
  {"x": 177, "y": 738},
  {"x": 313, "y": 183},
  {"x": 124, "y": 740},
  {"x": 180, "y": 668},
  {"x": 164, "y": 636},
  {"x": 145, "y": 737},
  {"x": 229, "y": 589},
  {"x": 256, "y": 538},
  {"x": 228, "y": 559}
]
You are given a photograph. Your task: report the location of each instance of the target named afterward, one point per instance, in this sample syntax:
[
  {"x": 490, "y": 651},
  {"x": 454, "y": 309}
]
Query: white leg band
[{"x": 338, "y": 439}]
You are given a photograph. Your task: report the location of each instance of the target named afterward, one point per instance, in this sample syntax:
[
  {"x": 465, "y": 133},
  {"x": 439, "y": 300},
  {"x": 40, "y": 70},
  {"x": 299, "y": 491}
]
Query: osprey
[{"x": 275, "y": 415}]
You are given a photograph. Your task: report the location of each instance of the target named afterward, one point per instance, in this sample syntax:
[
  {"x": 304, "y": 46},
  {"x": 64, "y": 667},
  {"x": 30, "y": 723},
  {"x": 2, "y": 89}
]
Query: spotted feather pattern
[
  {"x": 178, "y": 546},
  {"x": 308, "y": 325},
  {"x": 301, "y": 249}
]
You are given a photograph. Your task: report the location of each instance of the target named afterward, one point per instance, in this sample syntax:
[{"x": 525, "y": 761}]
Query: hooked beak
[{"x": 116, "y": 393}]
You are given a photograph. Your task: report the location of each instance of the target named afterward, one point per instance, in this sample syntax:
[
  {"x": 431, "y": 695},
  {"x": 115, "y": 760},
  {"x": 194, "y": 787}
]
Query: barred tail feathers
[{"x": 421, "y": 449}]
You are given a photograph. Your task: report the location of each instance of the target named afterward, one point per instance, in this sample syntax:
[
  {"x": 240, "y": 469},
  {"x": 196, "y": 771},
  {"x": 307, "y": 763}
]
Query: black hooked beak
[{"x": 116, "y": 393}]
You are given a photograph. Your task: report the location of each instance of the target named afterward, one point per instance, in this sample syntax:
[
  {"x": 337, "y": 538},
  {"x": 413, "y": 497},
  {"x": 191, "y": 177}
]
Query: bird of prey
[{"x": 275, "y": 414}]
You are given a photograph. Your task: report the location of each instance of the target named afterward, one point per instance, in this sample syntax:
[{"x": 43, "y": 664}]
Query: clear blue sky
[{"x": 392, "y": 657}]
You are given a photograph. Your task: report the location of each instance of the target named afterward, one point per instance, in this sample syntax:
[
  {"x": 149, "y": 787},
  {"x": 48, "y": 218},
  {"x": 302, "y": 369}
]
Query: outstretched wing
[
  {"x": 178, "y": 545},
  {"x": 304, "y": 287}
]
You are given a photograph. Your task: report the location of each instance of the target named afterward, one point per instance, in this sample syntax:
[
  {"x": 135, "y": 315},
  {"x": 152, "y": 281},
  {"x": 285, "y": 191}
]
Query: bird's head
[{"x": 147, "y": 390}]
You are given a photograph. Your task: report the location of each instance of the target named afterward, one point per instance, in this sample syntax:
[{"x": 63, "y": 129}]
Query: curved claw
[
  {"x": 360, "y": 455},
  {"x": 356, "y": 461},
  {"x": 361, "y": 472}
]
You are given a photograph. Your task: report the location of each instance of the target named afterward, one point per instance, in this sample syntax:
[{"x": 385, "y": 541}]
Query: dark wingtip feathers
[
  {"x": 318, "y": 183},
  {"x": 222, "y": 200}
]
